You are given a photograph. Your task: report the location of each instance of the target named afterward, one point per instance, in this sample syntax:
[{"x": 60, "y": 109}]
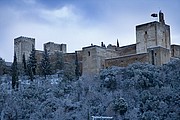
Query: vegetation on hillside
[{"x": 137, "y": 92}]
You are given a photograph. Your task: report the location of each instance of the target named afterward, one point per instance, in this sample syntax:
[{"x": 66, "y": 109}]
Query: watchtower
[
  {"x": 152, "y": 38},
  {"x": 23, "y": 45}
]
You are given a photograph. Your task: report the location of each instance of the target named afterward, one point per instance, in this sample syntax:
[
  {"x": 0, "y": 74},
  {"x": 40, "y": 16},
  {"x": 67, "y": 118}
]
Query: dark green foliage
[
  {"x": 109, "y": 79},
  {"x": 117, "y": 43},
  {"x": 2, "y": 66},
  {"x": 68, "y": 71},
  {"x": 60, "y": 61},
  {"x": 10, "y": 113},
  {"x": 110, "y": 82},
  {"x": 24, "y": 64},
  {"x": 15, "y": 73},
  {"x": 30, "y": 72},
  {"x": 143, "y": 75},
  {"x": 45, "y": 64},
  {"x": 120, "y": 106},
  {"x": 32, "y": 64},
  {"x": 32, "y": 60}
]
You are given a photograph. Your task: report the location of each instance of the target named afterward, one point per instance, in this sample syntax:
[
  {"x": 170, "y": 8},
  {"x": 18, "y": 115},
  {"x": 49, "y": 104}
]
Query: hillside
[{"x": 137, "y": 92}]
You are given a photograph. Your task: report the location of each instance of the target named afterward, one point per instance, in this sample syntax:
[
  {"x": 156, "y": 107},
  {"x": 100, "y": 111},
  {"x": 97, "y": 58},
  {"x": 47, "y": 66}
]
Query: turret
[{"x": 161, "y": 17}]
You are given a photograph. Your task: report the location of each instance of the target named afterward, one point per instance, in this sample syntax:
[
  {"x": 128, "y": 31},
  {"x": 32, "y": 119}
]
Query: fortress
[{"x": 153, "y": 45}]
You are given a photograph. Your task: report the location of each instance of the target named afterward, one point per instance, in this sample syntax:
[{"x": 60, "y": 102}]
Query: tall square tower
[
  {"x": 154, "y": 38},
  {"x": 153, "y": 34},
  {"x": 23, "y": 45}
]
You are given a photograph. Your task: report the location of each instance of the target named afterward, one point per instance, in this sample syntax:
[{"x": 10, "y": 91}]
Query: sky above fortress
[{"x": 78, "y": 23}]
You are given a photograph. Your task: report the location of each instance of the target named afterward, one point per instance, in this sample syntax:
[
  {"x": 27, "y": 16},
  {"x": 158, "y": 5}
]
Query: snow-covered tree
[
  {"x": 142, "y": 92},
  {"x": 120, "y": 106}
]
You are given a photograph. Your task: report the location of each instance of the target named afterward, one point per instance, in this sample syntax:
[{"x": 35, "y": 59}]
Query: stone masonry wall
[
  {"x": 152, "y": 34},
  {"x": 124, "y": 61},
  {"x": 158, "y": 55},
  {"x": 175, "y": 51},
  {"x": 93, "y": 58},
  {"x": 126, "y": 50}
]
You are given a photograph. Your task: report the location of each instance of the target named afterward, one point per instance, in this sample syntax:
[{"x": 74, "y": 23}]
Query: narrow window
[
  {"x": 152, "y": 55},
  {"x": 89, "y": 53},
  {"x": 173, "y": 52},
  {"x": 145, "y": 36}
]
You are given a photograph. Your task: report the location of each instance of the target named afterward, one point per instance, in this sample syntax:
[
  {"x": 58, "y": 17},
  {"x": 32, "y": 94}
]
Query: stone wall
[
  {"x": 126, "y": 50},
  {"x": 124, "y": 61},
  {"x": 39, "y": 55},
  {"x": 175, "y": 51},
  {"x": 71, "y": 57},
  {"x": 163, "y": 36},
  {"x": 93, "y": 58},
  {"x": 159, "y": 55}
]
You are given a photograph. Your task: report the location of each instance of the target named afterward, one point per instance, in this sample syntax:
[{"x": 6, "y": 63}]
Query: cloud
[
  {"x": 77, "y": 24},
  {"x": 60, "y": 25},
  {"x": 30, "y": 1},
  {"x": 66, "y": 14},
  {"x": 67, "y": 24}
]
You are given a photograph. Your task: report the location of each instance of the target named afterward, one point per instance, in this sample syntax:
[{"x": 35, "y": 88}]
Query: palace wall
[
  {"x": 175, "y": 51},
  {"x": 124, "y": 61},
  {"x": 93, "y": 58},
  {"x": 126, "y": 50}
]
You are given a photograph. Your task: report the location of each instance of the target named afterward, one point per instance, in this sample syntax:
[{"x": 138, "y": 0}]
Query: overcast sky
[{"x": 78, "y": 23}]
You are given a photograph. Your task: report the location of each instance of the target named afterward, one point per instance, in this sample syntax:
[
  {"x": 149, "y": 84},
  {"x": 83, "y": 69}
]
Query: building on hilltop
[{"x": 153, "y": 45}]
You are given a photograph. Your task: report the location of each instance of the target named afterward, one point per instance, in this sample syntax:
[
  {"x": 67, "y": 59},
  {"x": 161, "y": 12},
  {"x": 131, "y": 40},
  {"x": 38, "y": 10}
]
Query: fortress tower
[
  {"x": 154, "y": 38},
  {"x": 23, "y": 45},
  {"x": 53, "y": 47}
]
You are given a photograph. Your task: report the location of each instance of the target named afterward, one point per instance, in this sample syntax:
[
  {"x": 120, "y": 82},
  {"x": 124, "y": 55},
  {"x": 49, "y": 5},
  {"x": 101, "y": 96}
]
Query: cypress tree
[
  {"x": 24, "y": 64},
  {"x": 2, "y": 66},
  {"x": 15, "y": 73},
  {"x": 45, "y": 64},
  {"x": 32, "y": 64},
  {"x": 117, "y": 43},
  {"x": 60, "y": 61}
]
